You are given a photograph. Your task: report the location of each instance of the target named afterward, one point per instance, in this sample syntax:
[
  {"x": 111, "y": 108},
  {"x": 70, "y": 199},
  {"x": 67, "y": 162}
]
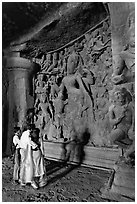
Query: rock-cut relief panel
[
  {"x": 122, "y": 107},
  {"x": 72, "y": 89}
]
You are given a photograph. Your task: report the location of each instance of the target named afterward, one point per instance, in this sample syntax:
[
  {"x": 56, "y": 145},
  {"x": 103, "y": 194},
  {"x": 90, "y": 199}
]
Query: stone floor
[{"x": 66, "y": 183}]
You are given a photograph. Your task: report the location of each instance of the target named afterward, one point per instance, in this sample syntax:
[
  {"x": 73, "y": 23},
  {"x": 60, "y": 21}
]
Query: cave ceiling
[{"x": 48, "y": 26}]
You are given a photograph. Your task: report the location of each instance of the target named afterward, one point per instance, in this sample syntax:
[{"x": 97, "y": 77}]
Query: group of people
[{"x": 29, "y": 165}]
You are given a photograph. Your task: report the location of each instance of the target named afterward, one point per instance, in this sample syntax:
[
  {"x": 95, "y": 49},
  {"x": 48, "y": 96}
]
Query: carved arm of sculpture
[
  {"x": 112, "y": 117},
  {"x": 36, "y": 105},
  {"x": 132, "y": 129}
]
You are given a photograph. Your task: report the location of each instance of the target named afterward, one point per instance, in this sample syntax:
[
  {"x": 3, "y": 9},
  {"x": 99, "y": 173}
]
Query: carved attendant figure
[
  {"x": 121, "y": 116},
  {"x": 45, "y": 106},
  {"x": 46, "y": 64},
  {"x": 39, "y": 82},
  {"x": 54, "y": 63}
]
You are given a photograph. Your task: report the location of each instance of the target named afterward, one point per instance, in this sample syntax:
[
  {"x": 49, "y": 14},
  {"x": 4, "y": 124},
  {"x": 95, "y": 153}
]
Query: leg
[
  {"x": 130, "y": 150},
  {"x": 16, "y": 165},
  {"x": 22, "y": 167},
  {"x": 42, "y": 180},
  {"x": 116, "y": 136}
]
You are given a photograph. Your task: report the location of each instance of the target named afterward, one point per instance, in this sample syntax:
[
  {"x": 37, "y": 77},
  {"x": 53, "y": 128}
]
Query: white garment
[
  {"x": 26, "y": 140},
  {"x": 16, "y": 141},
  {"x": 32, "y": 161}
]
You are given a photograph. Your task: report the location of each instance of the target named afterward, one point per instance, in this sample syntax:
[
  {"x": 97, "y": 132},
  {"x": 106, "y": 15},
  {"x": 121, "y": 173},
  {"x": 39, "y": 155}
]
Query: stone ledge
[
  {"x": 124, "y": 180},
  {"x": 126, "y": 191},
  {"x": 94, "y": 156}
]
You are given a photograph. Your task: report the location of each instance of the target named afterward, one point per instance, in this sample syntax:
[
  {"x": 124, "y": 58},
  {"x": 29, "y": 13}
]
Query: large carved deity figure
[{"x": 78, "y": 78}]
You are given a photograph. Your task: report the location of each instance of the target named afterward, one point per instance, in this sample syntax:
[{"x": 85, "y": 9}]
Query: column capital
[
  {"x": 21, "y": 64},
  {"x": 14, "y": 50},
  {"x": 18, "y": 63}
]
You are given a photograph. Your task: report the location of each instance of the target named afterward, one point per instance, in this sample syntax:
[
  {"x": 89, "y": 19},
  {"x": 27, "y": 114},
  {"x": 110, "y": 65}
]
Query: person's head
[
  {"x": 35, "y": 135},
  {"x": 30, "y": 112},
  {"x": 17, "y": 131},
  {"x": 30, "y": 126}
]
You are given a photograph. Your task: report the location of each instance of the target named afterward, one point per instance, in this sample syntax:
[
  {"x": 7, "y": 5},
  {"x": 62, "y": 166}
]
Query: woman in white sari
[{"x": 32, "y": 161}]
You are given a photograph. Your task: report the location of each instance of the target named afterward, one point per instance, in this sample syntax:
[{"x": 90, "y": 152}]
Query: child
[
  {"x": 38, "y": 159},
  {"x": 16, "y": 142},
  {"x": 32, "y": 164}
]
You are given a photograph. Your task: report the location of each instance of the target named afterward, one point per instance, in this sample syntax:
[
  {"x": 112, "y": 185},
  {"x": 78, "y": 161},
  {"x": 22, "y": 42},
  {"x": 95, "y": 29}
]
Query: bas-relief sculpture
[
  {"x": 122, "y": 109},
  {"x": 121, "y": 116},
  {"x": 72, "y": 92},
  {"x": 124, "y": 69},
  {"x": 70, "y": 80}
]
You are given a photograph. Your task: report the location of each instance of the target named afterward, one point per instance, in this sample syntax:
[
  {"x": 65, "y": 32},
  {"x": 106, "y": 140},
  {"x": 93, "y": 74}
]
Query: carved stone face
[
  {"x": 119, "y": 98},
  {"x": 53, "y": 79},
  {"x": 55, "y": 56},
  {"x": 48, "y": 57},
  {"x": 40, "y": 77},
  {"x": 61, "y": 54}
]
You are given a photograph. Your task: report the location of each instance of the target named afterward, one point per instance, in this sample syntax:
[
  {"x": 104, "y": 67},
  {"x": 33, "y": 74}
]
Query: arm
[
  {"x": 16, "y": 141},
  {"x": 33, "y": 144},
  {"x": 112, "y": 117}
]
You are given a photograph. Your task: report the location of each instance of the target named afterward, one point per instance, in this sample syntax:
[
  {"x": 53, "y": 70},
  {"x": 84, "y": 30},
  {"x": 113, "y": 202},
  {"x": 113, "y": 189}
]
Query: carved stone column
[{"x": 19, "y": 98}]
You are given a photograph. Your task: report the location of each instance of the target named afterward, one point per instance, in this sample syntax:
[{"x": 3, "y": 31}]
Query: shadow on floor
[
  {"x": 67, "y": 170},
  {"x": 54, "y": 166}
]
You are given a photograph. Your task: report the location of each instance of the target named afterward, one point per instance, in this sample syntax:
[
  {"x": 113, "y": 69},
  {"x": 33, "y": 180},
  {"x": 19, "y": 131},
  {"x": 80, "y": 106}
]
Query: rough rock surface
[{"x": 65, "y": 183}]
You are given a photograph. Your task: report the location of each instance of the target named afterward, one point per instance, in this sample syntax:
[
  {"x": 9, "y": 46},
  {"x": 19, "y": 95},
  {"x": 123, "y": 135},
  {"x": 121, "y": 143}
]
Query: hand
[{"x": 120, "y": 118}]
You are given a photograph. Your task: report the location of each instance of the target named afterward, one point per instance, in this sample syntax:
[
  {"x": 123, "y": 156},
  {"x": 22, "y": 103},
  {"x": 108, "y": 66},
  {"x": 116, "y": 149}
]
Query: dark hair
[
  {"x": 16, "y": 129},
  {"x": 30, "y": 126},
  {"x": 35, "y": 135}
]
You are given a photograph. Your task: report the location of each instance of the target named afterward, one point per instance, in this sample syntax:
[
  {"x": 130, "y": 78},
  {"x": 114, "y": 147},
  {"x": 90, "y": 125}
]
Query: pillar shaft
[{"x": 19, "y": 99}]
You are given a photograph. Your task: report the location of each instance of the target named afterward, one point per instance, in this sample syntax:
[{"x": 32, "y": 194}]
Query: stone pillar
[
  {"x": 120, "y": 13},
  {"x": 19, "y": 98}
]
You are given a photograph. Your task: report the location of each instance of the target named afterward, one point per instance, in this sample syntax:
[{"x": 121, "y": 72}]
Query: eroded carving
[
  {"x": 71, "y": 79},
  {"x": 121, "y": 117},
  {"x": 124, "y": 68}
]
